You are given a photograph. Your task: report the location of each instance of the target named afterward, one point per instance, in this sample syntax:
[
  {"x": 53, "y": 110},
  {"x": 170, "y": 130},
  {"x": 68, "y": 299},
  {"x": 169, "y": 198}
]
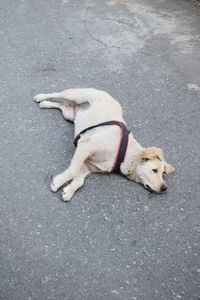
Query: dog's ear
[
  {"x": 169, "y": 168},
  {"x": 151, "y": 153}
]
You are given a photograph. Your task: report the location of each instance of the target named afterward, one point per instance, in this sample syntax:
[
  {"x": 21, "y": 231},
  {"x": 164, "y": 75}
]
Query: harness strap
[{"x": 121, "y": 152}]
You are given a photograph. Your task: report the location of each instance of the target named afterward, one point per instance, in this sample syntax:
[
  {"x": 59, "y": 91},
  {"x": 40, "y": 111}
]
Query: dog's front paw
[
  {"x": 67, "y": 194},
  {"x": 53, "y": 187},
  {"x": 56, "y": 183},
  {"x": 40, "y": 97}
]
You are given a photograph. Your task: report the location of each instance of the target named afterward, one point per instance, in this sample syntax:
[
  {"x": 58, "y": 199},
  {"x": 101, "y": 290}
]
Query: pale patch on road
[
  {"x": 114, "y": 2},
  {"x": 193, "y": 86}
]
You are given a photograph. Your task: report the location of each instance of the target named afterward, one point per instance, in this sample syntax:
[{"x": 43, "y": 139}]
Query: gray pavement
[{"x": 114, "y": 240}]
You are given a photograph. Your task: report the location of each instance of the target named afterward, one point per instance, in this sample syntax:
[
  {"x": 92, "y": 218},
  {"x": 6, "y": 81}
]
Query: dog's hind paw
[
  {"x": 45, "y": 104},
  {"x": 40, "y": 97}
]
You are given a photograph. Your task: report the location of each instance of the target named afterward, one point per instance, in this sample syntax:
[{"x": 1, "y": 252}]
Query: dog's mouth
[{"x": 148, "y": 188}]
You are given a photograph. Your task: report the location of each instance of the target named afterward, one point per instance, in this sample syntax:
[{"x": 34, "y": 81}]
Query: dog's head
[{"x": 150, "y": 169}]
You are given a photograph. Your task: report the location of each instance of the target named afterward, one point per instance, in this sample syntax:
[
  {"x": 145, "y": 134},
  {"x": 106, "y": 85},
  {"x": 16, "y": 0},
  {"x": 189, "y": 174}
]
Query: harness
[{"x": 121, "y": 152}]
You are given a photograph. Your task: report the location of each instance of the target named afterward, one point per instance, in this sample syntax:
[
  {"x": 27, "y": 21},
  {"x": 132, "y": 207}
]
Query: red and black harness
[{"x": 121, "y": 152}]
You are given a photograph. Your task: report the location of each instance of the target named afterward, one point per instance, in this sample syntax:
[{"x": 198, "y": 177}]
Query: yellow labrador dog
[{"x": 100, "y": 147}]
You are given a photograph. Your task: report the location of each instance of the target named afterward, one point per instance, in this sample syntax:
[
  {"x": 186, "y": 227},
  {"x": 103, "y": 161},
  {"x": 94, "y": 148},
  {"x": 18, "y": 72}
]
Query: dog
[{"x": 96, "y": 115}]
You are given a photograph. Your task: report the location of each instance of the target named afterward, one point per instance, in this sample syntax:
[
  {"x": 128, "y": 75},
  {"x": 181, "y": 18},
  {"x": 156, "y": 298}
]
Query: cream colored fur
[{"x": 97, "y": 148}]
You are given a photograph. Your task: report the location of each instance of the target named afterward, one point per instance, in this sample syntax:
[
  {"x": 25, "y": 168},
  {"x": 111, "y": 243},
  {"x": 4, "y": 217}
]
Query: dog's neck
[{"x": 128, "y": 167}]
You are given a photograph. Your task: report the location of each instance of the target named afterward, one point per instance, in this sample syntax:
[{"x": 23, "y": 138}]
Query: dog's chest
[{"x": 101, "y": 161}]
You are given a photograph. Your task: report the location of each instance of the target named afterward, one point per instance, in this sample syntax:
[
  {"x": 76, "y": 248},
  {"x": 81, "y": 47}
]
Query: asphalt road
[{"x": 114, "y": 240}]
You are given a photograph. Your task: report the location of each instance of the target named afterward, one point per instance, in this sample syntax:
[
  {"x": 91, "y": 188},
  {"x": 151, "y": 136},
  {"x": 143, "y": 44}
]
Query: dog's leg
[
  {"x": 77, "y": 96},
  {"x": 42, "y": 97},
  {"x": 67, "y": 111},
  {"x": 76, "y": 183},
  {"x": 83, "y": 151}
]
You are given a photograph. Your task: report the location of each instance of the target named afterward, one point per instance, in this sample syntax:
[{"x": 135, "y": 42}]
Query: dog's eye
[{"x": 155, "y": 170}]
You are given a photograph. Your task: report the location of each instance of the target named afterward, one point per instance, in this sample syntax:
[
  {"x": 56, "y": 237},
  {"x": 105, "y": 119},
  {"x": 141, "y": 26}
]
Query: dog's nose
[{"x": 163, "y": 188}]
